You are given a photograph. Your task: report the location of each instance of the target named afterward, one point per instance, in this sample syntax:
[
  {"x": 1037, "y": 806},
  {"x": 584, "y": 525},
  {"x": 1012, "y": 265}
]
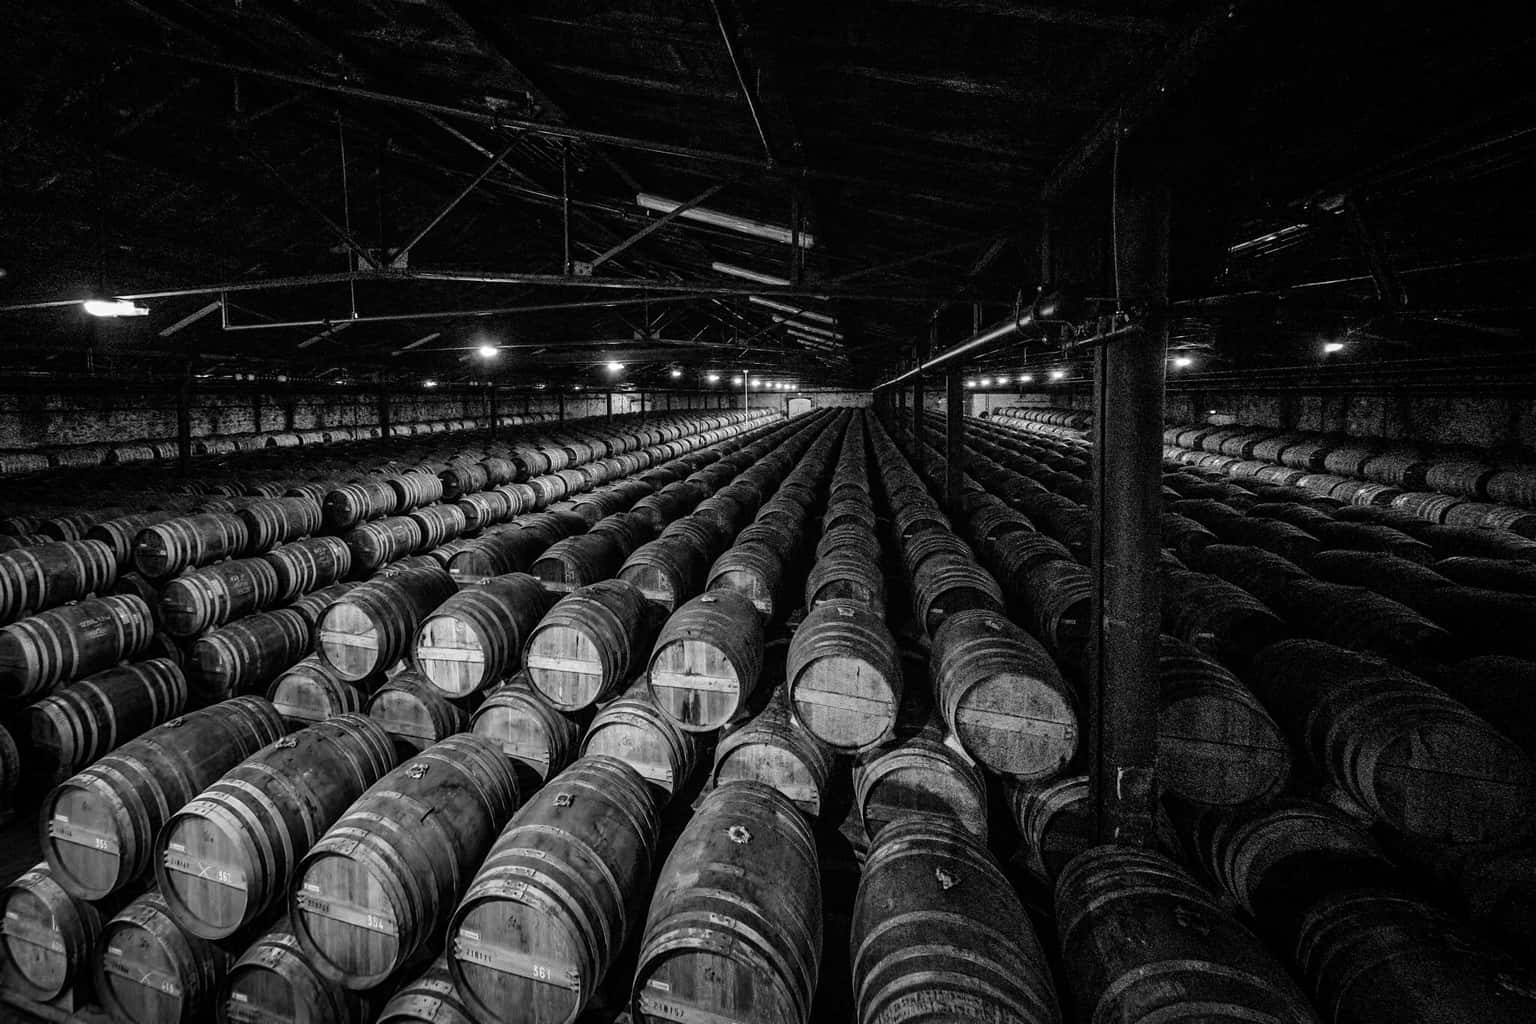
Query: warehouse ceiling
[{"x": 380, "y": 187}]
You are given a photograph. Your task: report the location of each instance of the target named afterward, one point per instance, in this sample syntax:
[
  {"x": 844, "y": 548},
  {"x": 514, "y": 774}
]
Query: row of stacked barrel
[
  {"x": 1432, "y": 765},
  {"x": 232, "y": 593},
  {"x": 1455, "y": 485},
  {"x": 223, "y": 862},
  {"x": 148, "y": 451},
  {"x": 47, "y": 506},
  {"x": 1070, "y": 424}
]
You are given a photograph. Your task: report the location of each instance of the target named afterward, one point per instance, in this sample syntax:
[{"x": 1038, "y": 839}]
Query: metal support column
[
  {"x": 184, "y": 423},
  {"x": 954, "y": 440},
  {"x": 383, "y": 411},
  {"x": 1127, "y": 503},
  {"x": 560, "y": 407},
  {"x": 610, "y": 406}
]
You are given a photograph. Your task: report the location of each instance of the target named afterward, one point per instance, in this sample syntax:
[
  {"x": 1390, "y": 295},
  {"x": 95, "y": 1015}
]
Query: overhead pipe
[{"x": 1041, "y": 310}]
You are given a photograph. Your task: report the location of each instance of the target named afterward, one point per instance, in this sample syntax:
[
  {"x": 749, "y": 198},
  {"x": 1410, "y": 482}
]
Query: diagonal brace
[
  {"x": 657, "y": 224},
  {"x": 399, "y": 259}
]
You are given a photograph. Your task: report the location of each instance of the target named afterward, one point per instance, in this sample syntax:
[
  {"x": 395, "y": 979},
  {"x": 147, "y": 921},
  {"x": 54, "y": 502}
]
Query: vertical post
[
  {"x": 560, "y": 408},
  {"x": 610, "y": 406},
  {"x": 642, "y": 403},
  {"x": 490, "y": 409},
  {"x": 954, "y": 440},
  {"x": 924, "y": 346},
  {"x": 383, "y": 411},
  {"x": 746, "y": 382},
  {"x": 1127, "y": 502},
  {"x": 184, "y": 423}
]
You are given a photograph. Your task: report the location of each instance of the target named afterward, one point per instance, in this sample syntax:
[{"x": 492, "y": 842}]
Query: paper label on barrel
[
  {"x": 468, "y": 947},
  {"x": 148, "y": 977},
  {"x": 347, "y": 913},
  {"x": 33, "y": 933},
  {"x": 671, "y": 1009},
  {"x": 96, "y": 627},
  {"x": 61, "y": 829},
  {"x": 205, "y": 870}
]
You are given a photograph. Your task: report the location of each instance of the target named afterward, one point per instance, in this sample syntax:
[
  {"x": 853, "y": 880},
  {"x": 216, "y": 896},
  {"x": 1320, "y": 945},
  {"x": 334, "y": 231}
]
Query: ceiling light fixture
[
  {"x": 489, "y": 351},
  {"x": 1058, "y": 374},
  {"x": 676, "y": 373},
  {"x": 713, "y": 378},
  {"x": 794, "y": 311},
  {"x": 615, "y": 366},
  {"x": 729, "y": 221},
  {"x": 1330, "y": 347},
  {"x": 746, "y": 274},
  {"x": 113, "y": 308}
]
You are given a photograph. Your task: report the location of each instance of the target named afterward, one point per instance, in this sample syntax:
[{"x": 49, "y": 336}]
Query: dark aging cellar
[{"x": 747, "y": 512}]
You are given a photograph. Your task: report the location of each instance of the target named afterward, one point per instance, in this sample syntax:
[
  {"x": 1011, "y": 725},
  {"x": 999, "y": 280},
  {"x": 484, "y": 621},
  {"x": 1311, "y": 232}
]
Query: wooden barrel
[
  {"x": 475, "y": 638},
  {"x": 47, "y": 575},
  {"x": 1058, "y": 596},
  {"x": 939, "y": 934},
  {"x": 227, "y": 857},
  {"x": 846, "y": 574},
  {"x": 377, "y": 543},
  {"x": 438, "y": 524},
  {"x": 486, "y": 508},
  {"x": 512, "y": 549},
  {"x": 372, "y": 626},
  {"x": 734, "y": 928},
  {"x": 313, "y": 604},
  {"x": 67, "y": 643},
  {"x": 149, "y": 971},
  {"x": 414, "y": 712},
  {"x": 1002, "y": 696},
  {"x": 772, "y": 749},
  {"x": 247, "y": 654},
  {"x": 384, "y": 880},
  {"x": 590, "y": 643},
  {"x": 707, "y": 661},
  {"x": 1273, "y": 860},
  {"x": 1142, "y": 941},
  {"x": 1056, "y": 823},
  {"x": 81, "y": 722},
  {"x": 69, "y": 526},
  {"x": 464, "y": 479},
  {"x": 308, "y": 692},
  {"x": 1362, "y": 620},
  {"x": 538, "y": 738},
  {"x": 165, "y": 549},
  {"x": 1370, "y": 955},
  {"x": 1216, "y": 745},
  {"x": 548, "y": 912},
  {"x": 668, "y": 570},
  {"x": 919, "y": 776},
  {"x": 413, "y": 490},
  {"x": 308, "y": 565},
  {"x": 843, "y": 678},
  {"x": 47, "y": 936},
  {"x": 1216, "y": 617},
  {"x": 580, "y": 560},
  {"x": 358, "y": 502},
  {"x": 431, "y": 998},
  {"x": 279, "y": 520},
  {"x": 274, "y": 981},
  {"x": 99, "y": 826},
  {"x": 633, "y": 729},
  {"x": 754, "y": 571},
  {"x": 204, "y": 598},
  {"x": 1400, "y": 748}
]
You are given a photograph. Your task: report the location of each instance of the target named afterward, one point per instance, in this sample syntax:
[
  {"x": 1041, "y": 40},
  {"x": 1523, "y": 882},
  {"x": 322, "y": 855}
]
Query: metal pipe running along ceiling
[{"x": 1041, "y": 310}]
